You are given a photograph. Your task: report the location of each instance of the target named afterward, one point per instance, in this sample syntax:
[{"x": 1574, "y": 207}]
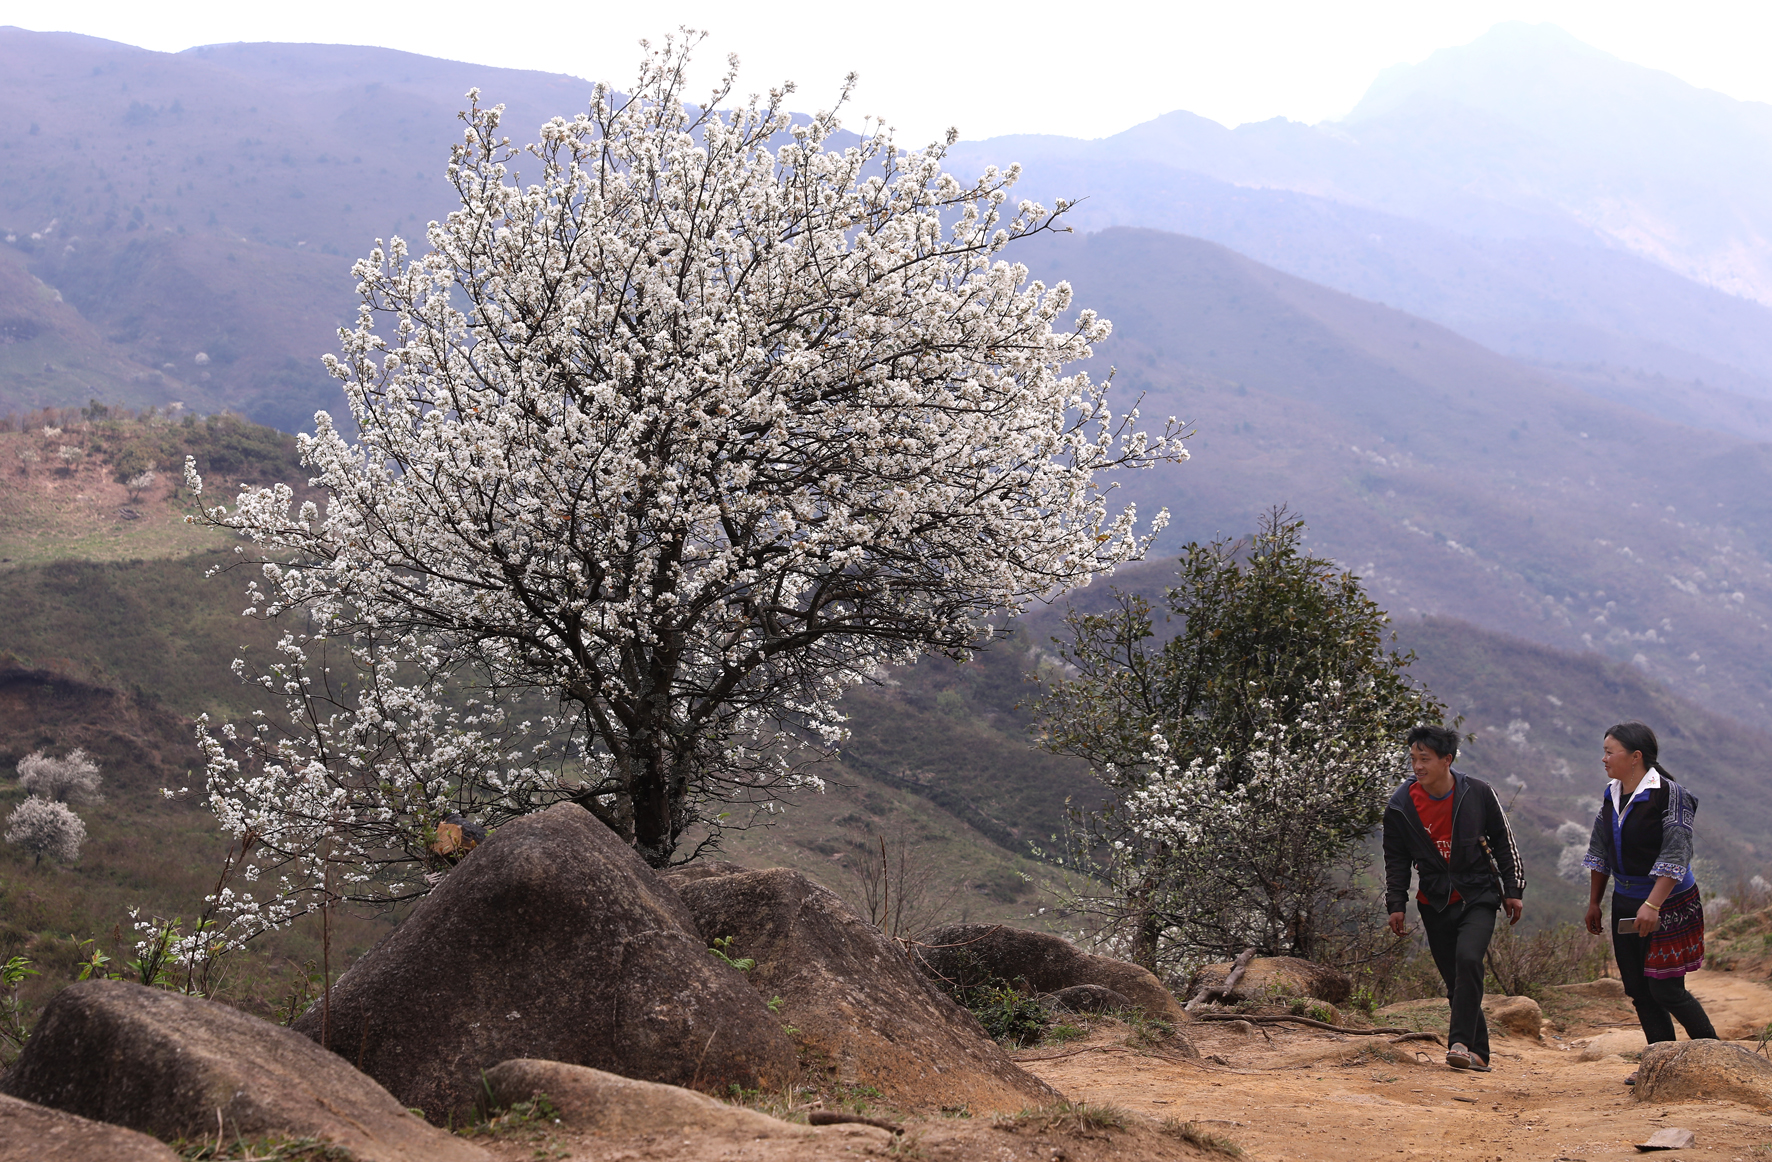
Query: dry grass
[
  {"x": 1194, "y": 1135},
  {"x": 1068, "y": 1117}
]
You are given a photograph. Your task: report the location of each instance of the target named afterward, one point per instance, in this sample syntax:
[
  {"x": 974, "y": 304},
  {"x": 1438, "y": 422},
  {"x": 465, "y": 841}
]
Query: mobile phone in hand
[{"x": 1628, "y": 925}]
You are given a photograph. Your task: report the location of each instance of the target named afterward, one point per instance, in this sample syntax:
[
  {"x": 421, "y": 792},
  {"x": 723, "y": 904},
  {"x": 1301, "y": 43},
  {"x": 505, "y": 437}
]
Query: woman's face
[{"x": 1621, "y": 764}]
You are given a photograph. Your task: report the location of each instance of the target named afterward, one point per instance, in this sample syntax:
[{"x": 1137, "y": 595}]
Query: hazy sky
[{"x": 1083, "y": 69}]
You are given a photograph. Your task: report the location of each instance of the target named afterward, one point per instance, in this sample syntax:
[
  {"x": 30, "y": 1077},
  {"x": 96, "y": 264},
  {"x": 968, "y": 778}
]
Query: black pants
[
  {"x": 1458, "y": 936},
  {"x": 1658, "y": 1002}
]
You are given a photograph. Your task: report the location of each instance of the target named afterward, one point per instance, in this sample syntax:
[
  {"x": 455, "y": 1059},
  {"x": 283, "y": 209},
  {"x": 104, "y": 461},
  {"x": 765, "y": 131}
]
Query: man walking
[{"x": 1451, "y": 829}]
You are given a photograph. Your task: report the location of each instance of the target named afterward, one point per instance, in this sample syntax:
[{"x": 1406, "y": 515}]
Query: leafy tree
[
  {"x": 44, "y": 827},
  {"x": 661, "y": 447},
  {"x": 1249, "y": 753}
]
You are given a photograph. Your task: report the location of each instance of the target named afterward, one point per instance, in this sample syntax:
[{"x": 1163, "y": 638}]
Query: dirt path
[
  {"x": 1312, "y": 1095},
  {"x": 1291, "y": 1095}
]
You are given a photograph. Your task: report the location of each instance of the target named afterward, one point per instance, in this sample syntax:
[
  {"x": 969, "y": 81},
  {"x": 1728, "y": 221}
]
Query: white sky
[{"x": 1082, "y": 69}]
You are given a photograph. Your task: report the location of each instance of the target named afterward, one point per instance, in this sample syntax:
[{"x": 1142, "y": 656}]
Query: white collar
[{"x": 1651, "y": 780}]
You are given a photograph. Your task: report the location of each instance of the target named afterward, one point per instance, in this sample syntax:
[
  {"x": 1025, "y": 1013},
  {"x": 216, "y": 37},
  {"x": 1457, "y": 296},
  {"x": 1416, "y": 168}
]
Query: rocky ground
[{"x": 1289, "y": 1093}]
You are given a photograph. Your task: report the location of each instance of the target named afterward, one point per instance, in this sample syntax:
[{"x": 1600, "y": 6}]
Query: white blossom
[
  {"x": 45, "y": 827},
  {"x": 72, "y": 777},
  {"x": 665, "y": 440}
]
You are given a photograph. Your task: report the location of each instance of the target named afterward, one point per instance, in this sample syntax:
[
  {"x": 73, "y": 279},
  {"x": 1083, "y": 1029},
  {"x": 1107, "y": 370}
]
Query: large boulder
[
  {"x": 171, "y": 1065},
  {"x": 603, "y": 1103},
  {"x": 1514, "y": 1016},
  {"x": 34, "y": 1133},
  {"x": 1689, "y": 1070},
  {"x": 1041, "y": 962},
  {"x": 1276, "y": 977},
  {"x": 860, "y": 1008},
  {"x": 550, "y": 940}
]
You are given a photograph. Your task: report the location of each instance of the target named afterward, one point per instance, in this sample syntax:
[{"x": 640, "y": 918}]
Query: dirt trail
[
  {"x": 1290, "y": 1095},
  {"x": 1305, "y": 1094}
]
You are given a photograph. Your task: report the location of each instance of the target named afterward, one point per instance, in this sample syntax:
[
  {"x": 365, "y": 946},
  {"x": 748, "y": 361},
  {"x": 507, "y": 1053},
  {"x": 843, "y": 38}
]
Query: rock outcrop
[
  {"x": 551, "y": 940},
  {"x": 603, "y": 1103},
  {"x": 168, "y": 1065},
  {"x": 34, "y": 1133},
  {"x": 859, "y": 1007},
  {"x": 1041, "y": 962},
  {"x": 1673, "y": 1071},
  {"x": 1277, "y": 977}
]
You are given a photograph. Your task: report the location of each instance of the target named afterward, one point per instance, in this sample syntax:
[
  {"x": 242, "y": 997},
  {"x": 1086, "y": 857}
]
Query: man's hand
[
  {"x": 1648, "y": 920},
  {"x": 1398, "y": 924},
  {"x": 1513, "y": 908},
  {"x": 1595, "y": 923}
]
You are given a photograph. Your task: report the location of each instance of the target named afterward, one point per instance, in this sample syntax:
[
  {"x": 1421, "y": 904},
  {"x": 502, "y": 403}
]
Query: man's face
[{"x": 1427, "y": 763}]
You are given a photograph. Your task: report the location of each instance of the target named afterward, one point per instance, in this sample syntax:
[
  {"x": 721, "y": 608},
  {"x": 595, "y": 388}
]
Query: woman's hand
[
  {"x": 1595, "y": 922},
  {"x": 1648, "y": 920}
]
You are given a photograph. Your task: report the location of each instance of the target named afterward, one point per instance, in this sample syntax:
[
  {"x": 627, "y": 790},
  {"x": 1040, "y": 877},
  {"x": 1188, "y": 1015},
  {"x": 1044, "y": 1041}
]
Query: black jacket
[{"x": 1476, "y": 814}]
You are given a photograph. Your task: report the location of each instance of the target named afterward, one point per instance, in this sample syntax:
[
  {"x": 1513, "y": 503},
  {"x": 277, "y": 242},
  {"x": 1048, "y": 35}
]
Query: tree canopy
[
  {"x": 660, "y": 445},
  {"x": 1249, "y": 753}
]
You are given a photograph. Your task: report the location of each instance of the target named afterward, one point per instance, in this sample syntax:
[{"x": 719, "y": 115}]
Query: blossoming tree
[
  {"x": 1248, "y": 755},
  {"x": 661, "y": 443}
]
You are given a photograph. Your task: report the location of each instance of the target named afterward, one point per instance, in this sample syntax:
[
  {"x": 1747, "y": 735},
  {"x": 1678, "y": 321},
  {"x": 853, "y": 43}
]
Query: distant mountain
[
  {"x": 212, "y": 201},
  {"x": 209, "y": 202},
  {"x": 1534, "y": 194},
  {"x": 1460, "y": 483}
]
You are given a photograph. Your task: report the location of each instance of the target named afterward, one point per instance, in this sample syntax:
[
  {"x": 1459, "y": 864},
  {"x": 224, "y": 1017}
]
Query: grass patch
[
  {"x": 1197, "y": 1136},
  {"x": 1142, "y": 1030},
  {"x": 1068, "y": 1117},
  {"x": 266, "y": 1148},
  {"x": 1374, "y": 1051},
  {"x": 1064, "y": 1031}
]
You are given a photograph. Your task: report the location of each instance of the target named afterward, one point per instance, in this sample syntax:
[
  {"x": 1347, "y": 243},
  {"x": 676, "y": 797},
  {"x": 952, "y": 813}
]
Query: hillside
[{"x": 1458, "y": 482}]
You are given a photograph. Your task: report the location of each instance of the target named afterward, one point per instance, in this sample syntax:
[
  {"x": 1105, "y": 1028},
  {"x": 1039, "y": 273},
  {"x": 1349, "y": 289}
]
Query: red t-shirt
[{"x": 1436, "y": 816}]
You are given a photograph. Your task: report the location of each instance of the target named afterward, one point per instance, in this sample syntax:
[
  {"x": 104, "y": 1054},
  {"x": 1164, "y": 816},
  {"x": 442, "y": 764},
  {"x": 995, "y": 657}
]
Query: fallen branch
[
  {"x": 1231, "y": 980},
  {"x": 1074, "y": 1052},
  {"x": 1434, "y": 1037},
  {"x": 832, "y": 1118},
  {"x": 1291, "y": 1020}
]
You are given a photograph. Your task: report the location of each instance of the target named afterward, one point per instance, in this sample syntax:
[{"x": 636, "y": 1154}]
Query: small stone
[{"x": 1668, "y": 1139}]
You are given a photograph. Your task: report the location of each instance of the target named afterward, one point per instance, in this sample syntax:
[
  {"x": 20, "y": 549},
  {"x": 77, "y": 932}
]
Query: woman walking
[{"x": 1643, "y": 841}]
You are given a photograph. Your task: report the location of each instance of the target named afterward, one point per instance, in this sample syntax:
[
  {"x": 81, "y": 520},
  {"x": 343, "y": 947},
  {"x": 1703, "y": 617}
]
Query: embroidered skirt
[{"x": 1677, "y": 947}]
